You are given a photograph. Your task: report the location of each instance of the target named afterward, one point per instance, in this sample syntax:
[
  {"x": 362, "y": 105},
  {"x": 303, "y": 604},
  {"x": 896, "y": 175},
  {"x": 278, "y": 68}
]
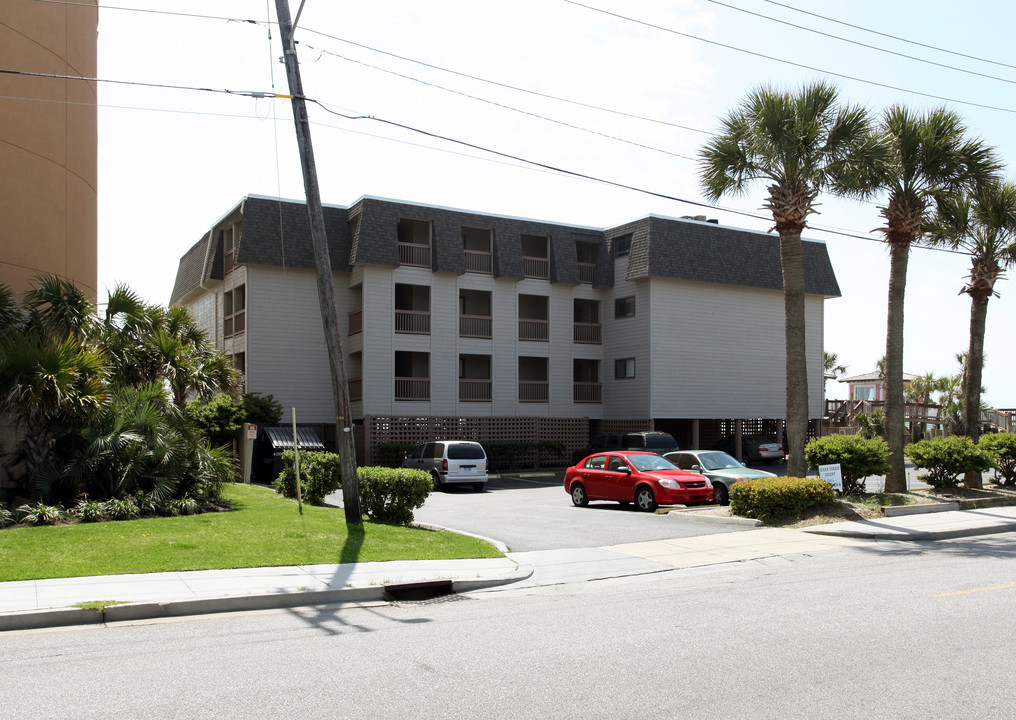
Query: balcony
[
  {"x": 588, "y": 392},
  {"x": 233, "y": 324},
  {"x": 477, "y": 326},
  {"x": 538, "y": 330},
  {"x": 355, "y": 322},
  {"x": 414, "y": 254},
  {"x": 412, "y": 388},
  {"x": 534, "y": 391},
  {"x": 478, "y": 261},
  {"x": 475, "y": 390},
  {"x": 535, "y": 267},
  {"x": 591, "y": 333},
  {"x": 416, "y": 322},
  {"x": 355, "y": 389},
  {"x": 587, "y": 271}
]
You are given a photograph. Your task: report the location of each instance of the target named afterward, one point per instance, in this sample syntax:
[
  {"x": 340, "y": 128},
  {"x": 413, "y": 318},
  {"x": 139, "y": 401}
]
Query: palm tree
[
  {"x": 800, "y": 143},
  {"x": 983, "y": 224},
  {"x": 831, "y": 366},
  {"x": 919, "y": 391},
  {"x": 929, "y": 158}
]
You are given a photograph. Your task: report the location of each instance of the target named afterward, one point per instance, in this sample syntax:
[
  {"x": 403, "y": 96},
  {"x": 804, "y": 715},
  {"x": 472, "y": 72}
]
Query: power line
[
  {"x": 503, "y": 105},
  {"x": 892, "y": 37},
  {"x": 506, "y": 85},
  {"x": 786, "y": 62},
  {"x": 860, "y": 44}
]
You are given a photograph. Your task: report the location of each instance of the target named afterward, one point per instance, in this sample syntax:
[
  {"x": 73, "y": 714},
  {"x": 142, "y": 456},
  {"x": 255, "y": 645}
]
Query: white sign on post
[
  {"x": 252, "y": 431},
  {"x": 832, "y": 474}
]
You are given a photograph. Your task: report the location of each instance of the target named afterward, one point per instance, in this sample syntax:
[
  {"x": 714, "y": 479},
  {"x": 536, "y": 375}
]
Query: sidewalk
[{"x": 50, "y": 603}]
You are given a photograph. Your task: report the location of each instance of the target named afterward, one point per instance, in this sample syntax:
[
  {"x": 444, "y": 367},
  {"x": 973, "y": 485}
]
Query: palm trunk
[
  {"x": 975, "y": 361},
  {"x": 896, "y": 480},
  {"x": 792, "y": 260}
]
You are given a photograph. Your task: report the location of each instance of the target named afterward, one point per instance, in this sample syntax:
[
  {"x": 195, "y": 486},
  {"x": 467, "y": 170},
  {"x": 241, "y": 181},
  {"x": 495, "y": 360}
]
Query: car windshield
[
  {"x": 650, "y": 462},
  {"x": 717, "y": 461}
]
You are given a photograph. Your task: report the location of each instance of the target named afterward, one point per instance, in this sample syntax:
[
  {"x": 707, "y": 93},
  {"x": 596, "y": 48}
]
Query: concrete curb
[
  {"x": 914, "y": 535},
  {"x": 901, "y": 510},
  {"x": 132, "y": 612},
  {"x": 501, "y": 547},
  {"x": 718, "y": 519}
]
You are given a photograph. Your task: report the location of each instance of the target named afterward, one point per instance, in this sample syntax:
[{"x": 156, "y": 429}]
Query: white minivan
[{"x": 450, "y": 462}]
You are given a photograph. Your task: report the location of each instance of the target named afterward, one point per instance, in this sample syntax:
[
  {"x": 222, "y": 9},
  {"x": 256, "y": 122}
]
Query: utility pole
[{"x": 322, "y": 261}]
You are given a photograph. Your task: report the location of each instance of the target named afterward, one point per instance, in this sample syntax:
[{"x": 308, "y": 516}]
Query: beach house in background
[{"x": 466, "y": 325}]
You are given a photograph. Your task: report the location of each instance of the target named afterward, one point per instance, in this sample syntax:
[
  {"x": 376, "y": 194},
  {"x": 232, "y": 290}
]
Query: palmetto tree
[
  {"x": 831, "y": 366},
  {"x": 800, "y": 143},
  {"x": 983, "y": 224},
  {"x": 928, "y": 158}
]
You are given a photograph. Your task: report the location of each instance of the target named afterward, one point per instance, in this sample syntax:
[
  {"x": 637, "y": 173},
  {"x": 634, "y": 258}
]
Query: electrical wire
[
  {"x": 787, "y": 62},
  {"x": 861, "y": 44},
  {"x": 502, "y": 105},
  {"x": 892, "y": 37}
]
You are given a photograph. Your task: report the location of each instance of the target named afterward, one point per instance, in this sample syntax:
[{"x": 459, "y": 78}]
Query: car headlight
[
  {"x": 709, "y": 483},
  {"x": 669, "y": 483}
]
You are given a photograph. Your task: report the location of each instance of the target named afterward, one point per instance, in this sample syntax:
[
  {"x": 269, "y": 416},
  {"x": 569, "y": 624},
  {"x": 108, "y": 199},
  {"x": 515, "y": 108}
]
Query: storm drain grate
[{"x": 426, "y": 590}]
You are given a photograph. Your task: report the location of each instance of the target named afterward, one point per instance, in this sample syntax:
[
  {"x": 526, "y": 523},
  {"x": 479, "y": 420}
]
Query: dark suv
[{"x": 647, "y": 440}]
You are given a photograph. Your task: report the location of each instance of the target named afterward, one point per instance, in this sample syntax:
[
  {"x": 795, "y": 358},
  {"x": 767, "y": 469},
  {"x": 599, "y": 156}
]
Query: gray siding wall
[
  {"x": 719, "y": 351},
  {"x": 625, "y": 338}
]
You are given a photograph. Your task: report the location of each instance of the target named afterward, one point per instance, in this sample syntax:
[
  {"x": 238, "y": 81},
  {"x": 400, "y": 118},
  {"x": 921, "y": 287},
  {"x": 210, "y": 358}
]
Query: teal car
[{"x": 721, "y": 469}]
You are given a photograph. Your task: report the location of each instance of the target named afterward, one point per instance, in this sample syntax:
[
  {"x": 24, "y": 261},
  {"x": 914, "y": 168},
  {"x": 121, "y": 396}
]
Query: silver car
[
  {"x": 721, "y": 469},
  {"x": 450, "y": 462}
]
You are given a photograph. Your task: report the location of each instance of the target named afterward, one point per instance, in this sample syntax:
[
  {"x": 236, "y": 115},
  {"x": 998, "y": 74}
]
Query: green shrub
[
  {"x": 6, "y": 517},
  {"x": 553, "y": 448},
  {"x": 320, "y": 474},
  {"x": 389, "y": 495},
  {"x": 122, "y": 509},
  {"x": 391, "y": 454},
  {"x": 947, "y": 459},
  {"x": 770, "y": 498},
  {"x": 505, "y": 455},
  {"x": 147, "y": 505},
  {"x": 872, "y": 424},
  {"x": 857, "y": 456},
  {"x": 89, "y": 511},
  {"x": 1002, "y": 448},
  {"x": 41, "y": 514},
  {"x": 186, "y": 506}
]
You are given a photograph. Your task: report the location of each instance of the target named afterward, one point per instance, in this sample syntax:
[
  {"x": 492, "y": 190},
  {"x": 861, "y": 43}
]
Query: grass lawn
[{"x": 264, "y": 529}]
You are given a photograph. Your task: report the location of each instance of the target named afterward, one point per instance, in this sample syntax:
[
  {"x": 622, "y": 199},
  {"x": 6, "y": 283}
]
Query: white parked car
[{"x": 450, "y": 462}]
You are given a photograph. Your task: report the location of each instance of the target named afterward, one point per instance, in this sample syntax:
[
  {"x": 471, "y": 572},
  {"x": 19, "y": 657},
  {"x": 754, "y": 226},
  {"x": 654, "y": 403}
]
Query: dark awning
[{"x": 281, "y": 438}]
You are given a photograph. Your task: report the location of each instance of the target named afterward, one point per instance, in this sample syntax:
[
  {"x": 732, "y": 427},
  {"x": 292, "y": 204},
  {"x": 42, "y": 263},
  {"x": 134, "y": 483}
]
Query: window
[
  {"x": 864, "y": 392},
  {"x": 234, "y": 304},
  {"x": 624, "y": 307},
  {"x": 476, "y": 247},
  {"x": 624, "y": 368},
  {"x": 230, "y": 244},
  {"x": 414, "y": 242},
  {"x": 622, "y": 245}
]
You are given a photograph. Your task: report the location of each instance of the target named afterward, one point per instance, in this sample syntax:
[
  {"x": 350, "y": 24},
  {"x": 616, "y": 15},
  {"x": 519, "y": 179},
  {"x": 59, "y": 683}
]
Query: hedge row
[{"x": 771, "y": 498}]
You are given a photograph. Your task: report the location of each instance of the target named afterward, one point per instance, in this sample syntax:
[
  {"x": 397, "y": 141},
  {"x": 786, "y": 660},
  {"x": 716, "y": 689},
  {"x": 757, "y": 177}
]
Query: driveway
[{"x": 535, "y": 513}]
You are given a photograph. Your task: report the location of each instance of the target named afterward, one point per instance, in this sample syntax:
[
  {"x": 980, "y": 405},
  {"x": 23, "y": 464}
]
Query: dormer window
[{"x": 622, "y": 245}]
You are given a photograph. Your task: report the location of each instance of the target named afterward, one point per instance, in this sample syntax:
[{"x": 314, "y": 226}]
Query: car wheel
[
  {"x": 578, "y": 495},
  {"x": 478, "y": 487},
  {"x": 720, "y": 494},
  {"x": 437, "y": 481},
  {"x": 644, "y": 499}
]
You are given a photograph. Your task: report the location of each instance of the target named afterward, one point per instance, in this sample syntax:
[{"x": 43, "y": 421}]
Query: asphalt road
[
  {"x": 537, "y": 514},
  {"x": 891, "y": 630}
]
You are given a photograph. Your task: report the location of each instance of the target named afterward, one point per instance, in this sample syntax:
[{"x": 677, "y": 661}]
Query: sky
[{"x": 629, "y": 99}]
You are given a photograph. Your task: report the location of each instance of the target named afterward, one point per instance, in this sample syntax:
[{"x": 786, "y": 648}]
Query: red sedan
[{"x": 644, "y": 478}]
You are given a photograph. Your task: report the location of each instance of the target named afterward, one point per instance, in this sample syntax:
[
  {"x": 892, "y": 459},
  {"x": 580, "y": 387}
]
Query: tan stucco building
[{"x": 48, "y": 143}]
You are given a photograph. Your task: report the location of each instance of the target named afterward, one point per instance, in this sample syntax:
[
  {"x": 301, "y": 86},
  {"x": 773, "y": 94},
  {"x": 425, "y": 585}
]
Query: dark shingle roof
[
  {"x": 277, "y": 232},
  {"x": 706, "y": 252}
]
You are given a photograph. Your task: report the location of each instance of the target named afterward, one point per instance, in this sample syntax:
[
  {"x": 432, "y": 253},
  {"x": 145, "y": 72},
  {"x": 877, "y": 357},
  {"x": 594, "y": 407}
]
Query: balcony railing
[
  {"x": 355, "y": 322},
  {"x": 414, "y": 254},
  {"x": 534, "y": 267},
  {"x": 355, "y": 389},
  {"x": 412, "y": 388},
  {"x": 587, "y": 271},
  {"x": 534, "y": 391},
  {"x": 588, "y": 392},
  {"x": 588, "y": 333},
  {"x": 534, "y": 330},
  {"x": 478, "y": 326},
  {"x": 475, "y": 390},
  {"x": 412, "y": 321},
  {"x": 479, "y": 261}
]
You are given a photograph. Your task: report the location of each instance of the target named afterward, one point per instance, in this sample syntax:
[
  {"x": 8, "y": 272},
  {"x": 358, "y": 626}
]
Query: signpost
[
  {"x": 251, "y": 433},
  {"x": 833, "y": 475}
]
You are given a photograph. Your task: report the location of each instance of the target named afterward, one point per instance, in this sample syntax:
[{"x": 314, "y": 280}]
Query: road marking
[{"x": 976, "y": 590}]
